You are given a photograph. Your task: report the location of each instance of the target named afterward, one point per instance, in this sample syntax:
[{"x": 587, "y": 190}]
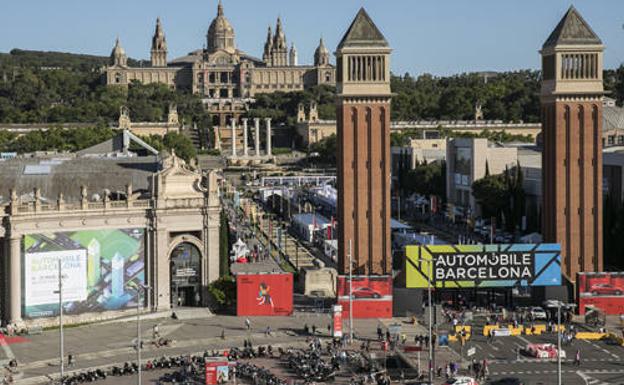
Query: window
[
  {"x": 118, "y": 78},
  {"x": 621, "y": 139},
  {"x": 611, "y": 140}
]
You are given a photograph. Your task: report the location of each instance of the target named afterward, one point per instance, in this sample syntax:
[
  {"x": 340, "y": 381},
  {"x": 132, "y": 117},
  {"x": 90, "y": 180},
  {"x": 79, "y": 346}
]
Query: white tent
[{"x": 239, "y": 250}]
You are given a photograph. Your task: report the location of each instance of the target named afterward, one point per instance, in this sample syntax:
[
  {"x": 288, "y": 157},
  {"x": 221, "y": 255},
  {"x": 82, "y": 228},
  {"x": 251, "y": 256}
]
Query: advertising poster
[
  {"x": 264, "y": 294},
  {"x": 217, "y": 372},
  {"x": 337, "y": 321},
  {"x": 371, "y": 296},
  {"x": 97, "y": 268},
  {"x": 602, "y": 290},
  {"x": 468, "y": 266}
]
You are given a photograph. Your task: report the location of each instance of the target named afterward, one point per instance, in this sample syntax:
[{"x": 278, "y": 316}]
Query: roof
[
  {"x": 308, "y": 219},
  {"x": 68, "y": 175},
  {"x": 613, "y": 118},
  {"x": 363, "y": 33},
  {"x": 572, "y": 30}
]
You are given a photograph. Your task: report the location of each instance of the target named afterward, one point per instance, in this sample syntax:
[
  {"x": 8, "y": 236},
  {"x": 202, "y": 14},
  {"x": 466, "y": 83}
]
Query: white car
[
  {"x": 547, "y": 351},
  {"x": 538, "y": 313},
  {"x": 461, "y": 381}
]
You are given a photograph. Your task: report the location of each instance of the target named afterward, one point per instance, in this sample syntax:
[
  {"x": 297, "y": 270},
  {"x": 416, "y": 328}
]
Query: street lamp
[
  {"x": 559, "y": 342},
  {"x": 60, "y": 293},
  {"x": 430, "y": 318},
  {"x": 138, "y": 340}
]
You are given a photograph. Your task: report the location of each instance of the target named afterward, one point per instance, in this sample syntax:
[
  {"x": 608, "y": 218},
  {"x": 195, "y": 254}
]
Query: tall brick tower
[
  {"x": 572, "y": 157},
  {"x": 363, "y": 112}
]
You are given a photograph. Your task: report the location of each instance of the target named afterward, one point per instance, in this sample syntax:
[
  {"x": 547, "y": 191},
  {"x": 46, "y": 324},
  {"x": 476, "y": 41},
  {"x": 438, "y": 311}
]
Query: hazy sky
[{"x": 434, "y": 36}]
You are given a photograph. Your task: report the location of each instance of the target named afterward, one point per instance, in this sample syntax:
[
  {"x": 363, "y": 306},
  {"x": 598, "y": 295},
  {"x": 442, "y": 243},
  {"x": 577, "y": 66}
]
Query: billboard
[
  {"x": 468, "y": 266},
  {"x": 371, "y": 296},
  {"x": 602, "y": 290},
  {"x": 264, "y": 294},
  {"x": 97, "y": 266}
]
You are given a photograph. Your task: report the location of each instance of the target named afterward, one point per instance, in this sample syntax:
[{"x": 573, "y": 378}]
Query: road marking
[
  {"x": 591, "y": 380},
  {"x": 602, "y": 349}
]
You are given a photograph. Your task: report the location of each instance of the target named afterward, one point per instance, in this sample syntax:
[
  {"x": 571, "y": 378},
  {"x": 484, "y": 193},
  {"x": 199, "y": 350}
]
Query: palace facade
[{"x": 221, "y": 71}]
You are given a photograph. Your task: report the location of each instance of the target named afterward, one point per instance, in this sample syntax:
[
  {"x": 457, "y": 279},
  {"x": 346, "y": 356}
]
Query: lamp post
[
  {"x": 421, "y": 260},
  {"x": 139, "y": 289},
  {"x": 559, "y": 343},
  {"x": 350, "y": 295},
  {"x": 61, "y": 342}
]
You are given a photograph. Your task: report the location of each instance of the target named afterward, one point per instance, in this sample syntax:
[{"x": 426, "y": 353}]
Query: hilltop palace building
[{"x": 227, "y": 77}]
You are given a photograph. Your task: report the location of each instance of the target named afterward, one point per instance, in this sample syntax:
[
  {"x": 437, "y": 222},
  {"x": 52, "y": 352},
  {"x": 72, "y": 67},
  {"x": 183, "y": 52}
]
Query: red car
[
  {"x": 605, "y": 289},
  {"x": 365, "y": 292}
]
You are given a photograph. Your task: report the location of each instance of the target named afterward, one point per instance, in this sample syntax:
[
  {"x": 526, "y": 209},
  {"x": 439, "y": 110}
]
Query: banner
[
  {"x": 371, "y": 296},
  {"x": 602, "y": 290},
  {"x": 499, "y": 265},
  {"x": 97, "y": 268},
  {"x": 337, "y": 318},
  {"x": 264, "y": 294}
]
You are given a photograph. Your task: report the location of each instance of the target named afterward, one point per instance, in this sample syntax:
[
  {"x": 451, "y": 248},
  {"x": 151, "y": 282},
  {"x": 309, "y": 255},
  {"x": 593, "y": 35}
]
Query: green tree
[
  {"x": 491, "y": 194},
  {"x": 224, "y": 246}
]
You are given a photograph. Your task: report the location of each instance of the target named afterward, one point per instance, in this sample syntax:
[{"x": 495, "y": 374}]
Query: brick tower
[
  {"x": 363, "y": 112},
  {"x": 572, "y": 157}
]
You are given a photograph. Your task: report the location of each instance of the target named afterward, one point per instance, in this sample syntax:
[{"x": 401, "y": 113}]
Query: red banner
[
  {"x": 371, "y": 296},
  {"x": 337, "y": 310},
  {"x": 602, "y": 290},
  {"x": 264, "y": 294}
]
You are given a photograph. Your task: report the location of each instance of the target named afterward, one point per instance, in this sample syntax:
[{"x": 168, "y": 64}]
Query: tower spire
[{"x": 220, "y": 9}]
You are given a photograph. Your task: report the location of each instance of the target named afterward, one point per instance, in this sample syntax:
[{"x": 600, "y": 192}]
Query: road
[{"x": 601, "y": 364}]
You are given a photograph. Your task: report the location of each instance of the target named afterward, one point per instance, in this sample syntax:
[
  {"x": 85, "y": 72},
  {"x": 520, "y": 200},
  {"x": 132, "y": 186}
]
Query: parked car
[
  {"x": 461, "y": 381},
  {"x": 547, "y": 351},
  {"x": 605, "y": 289},
  {"x": 538, "y": 313},
  {"x": 365, "y": 292}
]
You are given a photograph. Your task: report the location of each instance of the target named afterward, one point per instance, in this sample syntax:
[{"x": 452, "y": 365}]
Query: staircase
[{"x": 298, "y": 255}]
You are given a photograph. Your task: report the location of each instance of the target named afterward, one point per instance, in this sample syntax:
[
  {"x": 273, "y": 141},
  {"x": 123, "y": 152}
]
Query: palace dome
[{"x": 220, "y": 33}]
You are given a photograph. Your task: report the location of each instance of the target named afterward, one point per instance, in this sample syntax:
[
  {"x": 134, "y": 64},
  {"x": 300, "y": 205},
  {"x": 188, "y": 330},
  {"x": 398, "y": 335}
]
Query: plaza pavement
[{"x": 195, "y": 331}]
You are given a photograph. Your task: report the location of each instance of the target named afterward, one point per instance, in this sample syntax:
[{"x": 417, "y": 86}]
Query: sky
[{"x": 440, "y": 37}]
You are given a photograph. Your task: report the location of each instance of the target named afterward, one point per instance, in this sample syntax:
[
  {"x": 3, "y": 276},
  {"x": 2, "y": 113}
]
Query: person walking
[
  {"x": 248, "y": 324},
  {"x": 155, "y": 332},
  {"x": 577, "y": 358}
]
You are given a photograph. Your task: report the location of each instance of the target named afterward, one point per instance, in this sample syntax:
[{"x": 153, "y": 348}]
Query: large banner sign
[
  {"x": 602, "y": 290},
  {"x": 97, "y": 267},
  {"x": 371, "y": 296},
  {"x": 264, "y": 294},
  {"x": 499, "y": 265}
]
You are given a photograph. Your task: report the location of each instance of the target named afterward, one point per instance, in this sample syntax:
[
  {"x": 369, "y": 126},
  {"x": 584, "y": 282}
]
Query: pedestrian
[
  {"x": 70, "y": 360},
  {"x": 577, "y": 358},
  {"x": 313, "y": 329},
  {"x": 306, "y": 329},
  {"x": 197, "y": 299},
  {"x": 179, "y": 301},
  {"x": 380, "y": 333},
  {"x": 248, "y": 324},
  {"x": 267, "y": 332},
  {"x": 155, "y": 332},
  {"x": 222, "y": 334}
]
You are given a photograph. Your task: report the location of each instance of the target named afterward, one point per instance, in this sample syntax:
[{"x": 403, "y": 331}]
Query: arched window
[{"x": 118, "y": 78}]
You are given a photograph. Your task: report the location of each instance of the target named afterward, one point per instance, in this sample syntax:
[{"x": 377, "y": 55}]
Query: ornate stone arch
[{"x": 186, "y": 238}]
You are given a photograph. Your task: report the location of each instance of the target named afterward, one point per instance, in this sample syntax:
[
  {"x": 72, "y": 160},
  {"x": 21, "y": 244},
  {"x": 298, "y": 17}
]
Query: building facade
[
  {"x": 571, "y": 97},
  {"x": 363, "y": 111},
  {"x": 221, "y": 71},
  {"x": 116, "y": 221}
]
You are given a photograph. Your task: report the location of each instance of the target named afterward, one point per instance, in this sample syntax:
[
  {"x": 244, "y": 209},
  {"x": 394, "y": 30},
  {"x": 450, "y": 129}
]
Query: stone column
[
  {"x": 257, "y": 138},
  {"x": 245, "y": 150},
  {"x": 233, "y": 138},
  {"x": 268, "y": 136},
  {"x": 16, "y": 280}
]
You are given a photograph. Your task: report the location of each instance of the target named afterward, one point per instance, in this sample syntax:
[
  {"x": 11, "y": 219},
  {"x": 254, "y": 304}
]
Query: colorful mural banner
[
  {"x": 469, "y": 266},
  {"x": 100, "y": 269}
]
